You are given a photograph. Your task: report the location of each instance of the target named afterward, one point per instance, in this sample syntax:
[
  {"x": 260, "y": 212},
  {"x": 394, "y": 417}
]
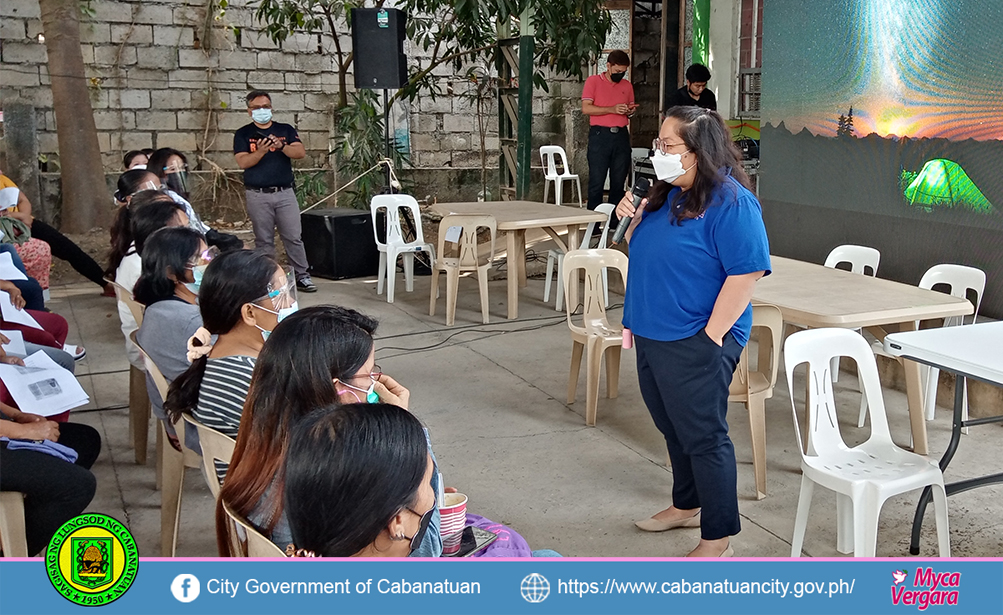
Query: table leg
[
  {"x": 914, "y": 391},
  {"x": 522, "y": 261},
  {"x": 959, "y": 404},
  {"x": 513, "y": 273},
  {"x": 573, "y": 242}
]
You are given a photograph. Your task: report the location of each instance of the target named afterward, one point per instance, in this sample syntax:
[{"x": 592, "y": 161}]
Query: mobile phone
[
  {"x": 260, "y": 135},
  {"x": 473, "y": 540}
]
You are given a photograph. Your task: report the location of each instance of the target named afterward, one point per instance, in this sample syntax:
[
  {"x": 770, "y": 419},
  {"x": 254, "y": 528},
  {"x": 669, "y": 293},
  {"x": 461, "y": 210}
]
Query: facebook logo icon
[{"x": 185, "y": 587}]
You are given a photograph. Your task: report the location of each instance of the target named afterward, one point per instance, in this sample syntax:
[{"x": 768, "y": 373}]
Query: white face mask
[
  {"x": 261, "y": 116},
  {"x": 668, "y": 167}
]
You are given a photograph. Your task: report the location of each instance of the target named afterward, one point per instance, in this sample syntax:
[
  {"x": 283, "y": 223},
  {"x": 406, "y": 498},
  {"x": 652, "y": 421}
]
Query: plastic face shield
[{"x": 280, "y": 297}]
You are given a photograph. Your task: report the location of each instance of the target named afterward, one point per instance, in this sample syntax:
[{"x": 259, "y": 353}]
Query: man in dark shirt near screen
[
  {"x": 695, "y": 92},
  {"x": 264, "y": 149}
]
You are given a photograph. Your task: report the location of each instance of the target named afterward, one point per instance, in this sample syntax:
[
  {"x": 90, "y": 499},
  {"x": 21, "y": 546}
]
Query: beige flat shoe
[{"x": 655, "y": 525}]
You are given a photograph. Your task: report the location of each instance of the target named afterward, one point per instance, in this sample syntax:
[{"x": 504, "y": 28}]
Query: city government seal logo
[{"x": 92, "y": 560}]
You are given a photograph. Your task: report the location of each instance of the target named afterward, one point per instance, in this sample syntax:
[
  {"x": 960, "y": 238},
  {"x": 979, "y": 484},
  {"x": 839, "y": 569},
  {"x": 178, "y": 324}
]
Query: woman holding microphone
[{"x": 697, "y": 247}]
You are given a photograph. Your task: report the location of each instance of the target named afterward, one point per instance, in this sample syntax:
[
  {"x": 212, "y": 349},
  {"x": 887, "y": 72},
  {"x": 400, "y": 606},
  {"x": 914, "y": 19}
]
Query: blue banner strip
[{"x": 534, "y": 586}]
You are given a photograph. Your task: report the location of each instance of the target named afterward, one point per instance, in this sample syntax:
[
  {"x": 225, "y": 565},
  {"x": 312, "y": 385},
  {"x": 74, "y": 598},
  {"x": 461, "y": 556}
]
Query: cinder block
[
  {"x": 300, "y": 43},
  {"x": 158, "y": 57},
  {"x": 192, "y": 58},
  {"x": 230, "y": 121},
  {"x": 466, "y": 159},
  {"x": 314, "y": 62},
  {"x": 460, "y": 142},
  {"x": 87, "y": 52},
  {"x": 35, "y": 28},
  {"x": 114, "y": 119},
  {"x": 316, "y": 141},
  {"x": 148, "y": 79},
  {"x": 40, "y": 97},
  {"x": 229, "y": 79},
  {"x": 19, "y": 76},
  {"x": 317, "y": 102},
  {"x": 187, "y": 14},
  {"x": 134, "y": 99},
  {"x": 13, "y": 29},
  {"x": 303, "y": 82},
  {"x": 425, "y": 142},
  {"x": 425, "y": 122},
  {"x": 104, "y": 142},
  {"x": 256, "y": 39},
  {"x": 265, "y": 80},
  {"x": 188, "y": 79},
  {"x": 237, "y": 59},
  {"x": 276, "y": 60},
  {"x": 285, "y": 102},
  {"x": 155, "y": 14},
  {"x": 115, "y": 55},
  {"x": 99, "y": 98},
  {"x": 25, "y": 9},
  {"x": 314, "y": 121},
  {"x": 106, "y": 11},
  {"x": 48, "y": 142},
  {"x": 156, "y": 120},
  {"x": 190, "y": 120},
  {"x": 23, "y": 53},
  {"x": 436, "y": 159},
  {"x": 440, "y": 104},
  {"x": 240, "y": 17},
  {"x": 170, "y": 99},
  {"x": 455, "y": 122},
  {"x": 174, "y": 36},
  {"x": 183, "y": 141},
  {"x": 132, "y": 33},
  {"x": 125, "y": 141}
]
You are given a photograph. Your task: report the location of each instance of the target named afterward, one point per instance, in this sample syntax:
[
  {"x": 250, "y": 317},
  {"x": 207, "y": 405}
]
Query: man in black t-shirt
[
  {"x": 264, "y": 150},
  {"x": 695, "y": 92}
]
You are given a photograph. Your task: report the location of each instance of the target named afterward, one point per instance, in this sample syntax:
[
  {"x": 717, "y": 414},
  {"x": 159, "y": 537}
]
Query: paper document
[
  {"x": 8, "y": 197},
  {"x": 13, "y": 315},
  {"x": 42, "y": 387},
  {"x": 453, "y": 233},
  {"x": 16, "y": 345},
  {"x": 7, "y": 269}
]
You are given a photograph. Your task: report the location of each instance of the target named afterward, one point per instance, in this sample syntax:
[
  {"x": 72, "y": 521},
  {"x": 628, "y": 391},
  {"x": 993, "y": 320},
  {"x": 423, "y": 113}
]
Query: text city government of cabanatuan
[{"x": 381, "y": 586}]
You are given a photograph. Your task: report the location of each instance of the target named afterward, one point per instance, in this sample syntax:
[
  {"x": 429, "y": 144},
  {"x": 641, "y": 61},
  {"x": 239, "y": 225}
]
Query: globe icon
[{"x": 535, "y": 588}]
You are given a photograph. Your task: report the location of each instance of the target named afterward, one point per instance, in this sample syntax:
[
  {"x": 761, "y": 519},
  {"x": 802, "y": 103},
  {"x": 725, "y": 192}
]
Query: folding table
[{"x": 971, "y": 351}]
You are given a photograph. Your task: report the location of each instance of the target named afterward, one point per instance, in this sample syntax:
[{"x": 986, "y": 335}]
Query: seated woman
[
  {"x": 358, "y": 482},
  {"x": 148, "y": 211},
  {"x": 61, "y": 246},
  {"x": 332, "y": 349},
  {"x": 131, "y": 182},
  {"x": 171, "y": 167},
  {"x": 136, "y": 159},
  {"x": 243, "y": 296},
  {"x": 54, "y": 327},
  {"x": 168, "y": 287}
]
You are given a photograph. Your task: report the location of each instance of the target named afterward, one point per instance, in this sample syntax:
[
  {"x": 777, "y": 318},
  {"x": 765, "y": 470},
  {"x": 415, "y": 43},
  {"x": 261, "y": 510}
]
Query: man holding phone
[
  {"x": 608, "y": 100},
  {"x": 264, "y": 149}
]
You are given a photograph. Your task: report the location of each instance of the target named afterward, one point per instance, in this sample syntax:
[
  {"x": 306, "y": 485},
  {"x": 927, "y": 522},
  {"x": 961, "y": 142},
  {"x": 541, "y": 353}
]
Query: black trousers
[
  {"x": 609, "y": 152},
  {"x": 54, "y": 491},
  {"x": 685, "y": 386},
  {"x": 68, "y": 251}
]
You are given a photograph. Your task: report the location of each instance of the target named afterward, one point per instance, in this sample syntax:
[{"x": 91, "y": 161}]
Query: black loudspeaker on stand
[{"x": 378, "y": 42}]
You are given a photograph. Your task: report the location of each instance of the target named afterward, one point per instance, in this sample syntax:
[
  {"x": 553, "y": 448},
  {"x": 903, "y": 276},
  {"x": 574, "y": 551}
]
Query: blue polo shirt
[{"x": 677, "y": 270}]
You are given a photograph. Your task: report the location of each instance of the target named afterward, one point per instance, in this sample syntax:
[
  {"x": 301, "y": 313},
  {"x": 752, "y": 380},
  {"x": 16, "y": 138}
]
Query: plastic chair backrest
[
  {"x": 393, "y": 203},
  {"x": 602, "y": 208},
  {"x": 594, "y": 312},
  {"x": 548, "y": 153},
  {"x": 124, "y": 295},
  {"x": 151, "y": 368},
  {"x": 817, "y": 347},
  {"x": 215, "y": 447},
  {"x": 468, "y": 255},
  {"x": 257, "y": 544},
  {"x": 859, "y": 257},
  {"x": 961, "y": 279},
  {"x": 767, "y": 317}
]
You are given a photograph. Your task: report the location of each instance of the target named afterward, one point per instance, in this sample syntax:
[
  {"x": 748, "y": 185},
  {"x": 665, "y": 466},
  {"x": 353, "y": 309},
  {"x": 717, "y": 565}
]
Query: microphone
[{"x": 640, "y": 190}]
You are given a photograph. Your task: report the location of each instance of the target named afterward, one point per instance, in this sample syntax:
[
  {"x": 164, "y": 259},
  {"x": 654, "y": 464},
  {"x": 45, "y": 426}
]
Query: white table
[{"x": 971, "y": 351}]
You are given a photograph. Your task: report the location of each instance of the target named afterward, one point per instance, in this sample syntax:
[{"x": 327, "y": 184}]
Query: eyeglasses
[
  {"x": 373, "y": 375},
  {"x": 664, "y": 146},
  {"x": 204, "y": 257},
  {"x": 256, "y": 107},
  {"x": 175, "y": 169}
]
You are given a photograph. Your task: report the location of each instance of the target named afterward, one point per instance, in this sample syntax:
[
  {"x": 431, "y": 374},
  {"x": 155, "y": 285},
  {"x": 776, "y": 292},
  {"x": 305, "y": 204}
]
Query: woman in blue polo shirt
[{"x": 696, "y": 251}]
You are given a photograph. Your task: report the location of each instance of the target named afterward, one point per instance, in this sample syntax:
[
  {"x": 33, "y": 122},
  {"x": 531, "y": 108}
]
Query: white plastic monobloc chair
[
  {"x": 860, "y": 258},
  {"x": 594, "y": 336},
  {"x": 556, "y": 257},
  {"x": 866, "y": 475},
  {"x": 548, "y": 153},
  {"x": 395, "y": 245},
  {"x": 215, "y": 446},
  {"x": 139, "y": 401},
  {"x": 960, "y": 280},
  {"x": 249, "y": 542},
  {"x": 466, "y": 256}
]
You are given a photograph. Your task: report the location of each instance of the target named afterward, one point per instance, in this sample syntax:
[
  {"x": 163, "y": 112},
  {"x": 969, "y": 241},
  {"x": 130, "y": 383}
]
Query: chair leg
[
  {"x": 559, "y": 304},
  {"x": 834, "y": 368},
  {"x": 579, "y": 184},
  {"x": 593, "y": 365},
  {"x": 577, "y": 348},
  {"x": 482, "y": 288},
  {"x": 172, "y": 483},
  {"x": 801, "y": 517},
  {"x": 943, "y": 530},
  {"x": 391, "y": 275},
  {"x": 434, "y": 293},
  {"x": 139, "y": 413},
  {"x": 865, "y": 526},
  {"x": 558, "y": 189},
  {"x": 757, "y": 425},
  {"x": 13, "y": 533},
  {"x": 613, "y": 371},
  {"x": 382, "y": 273},
  {"x": 546, "y": 190},
  {"x": 930, "y": 399},
  {"x": 844, "y": 523},
  {"x": 409, "y": 271},
  {"x": 550, "y": 275},
  {"x": 452, "y": 281}
]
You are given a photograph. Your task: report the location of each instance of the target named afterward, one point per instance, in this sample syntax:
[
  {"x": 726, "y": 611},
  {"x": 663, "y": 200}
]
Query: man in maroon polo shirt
[{"x": 608, "y": 100}]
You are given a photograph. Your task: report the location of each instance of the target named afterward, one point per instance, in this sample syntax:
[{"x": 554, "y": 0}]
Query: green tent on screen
[{"x": 943, "y": 183}]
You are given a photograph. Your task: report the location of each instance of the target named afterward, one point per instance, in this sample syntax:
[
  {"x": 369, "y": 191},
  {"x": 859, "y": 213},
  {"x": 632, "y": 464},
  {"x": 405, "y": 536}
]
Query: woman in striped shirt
[{"x": 242, "y": 296}]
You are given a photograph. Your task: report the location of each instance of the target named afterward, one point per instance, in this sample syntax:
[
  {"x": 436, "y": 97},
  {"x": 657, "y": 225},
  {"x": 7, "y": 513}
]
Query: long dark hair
[
  {"x": 129, "y": 182},
  {"x": 231, "y": 280},
  {"x": 148, "y": 211},
  {"x": 294, "y": 373},
  {"x": 167, "y": 251},
  {"x": 707, "y": 136},
  {"x": 159, "y": 158},
  {"x": 350, "y": 469}
]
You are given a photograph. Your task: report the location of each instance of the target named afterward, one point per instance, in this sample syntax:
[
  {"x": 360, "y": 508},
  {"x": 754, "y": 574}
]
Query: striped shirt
[{"x": 221, "y": 396}]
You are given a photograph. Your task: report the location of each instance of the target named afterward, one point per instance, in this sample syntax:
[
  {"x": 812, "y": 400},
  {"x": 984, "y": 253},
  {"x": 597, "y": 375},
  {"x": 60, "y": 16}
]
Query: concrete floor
[{"x": 493, "y": 400}]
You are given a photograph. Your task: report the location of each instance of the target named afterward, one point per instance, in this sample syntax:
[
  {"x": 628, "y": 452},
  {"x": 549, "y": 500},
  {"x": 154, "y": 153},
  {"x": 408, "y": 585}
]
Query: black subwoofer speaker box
[
  {"x": 378, "y": 43},
  {"x": 339, "y": 243}
]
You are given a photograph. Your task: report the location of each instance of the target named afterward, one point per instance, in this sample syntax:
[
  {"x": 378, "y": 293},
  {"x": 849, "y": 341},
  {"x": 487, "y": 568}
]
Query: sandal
[{"x": 77, "y": 352}]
